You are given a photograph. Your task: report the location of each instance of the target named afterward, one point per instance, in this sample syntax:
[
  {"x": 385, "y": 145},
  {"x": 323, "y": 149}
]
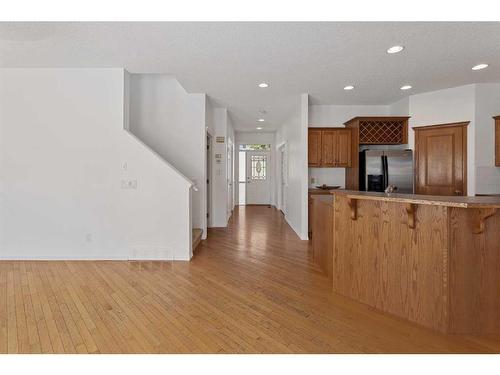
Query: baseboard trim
[{"x": 60, "y": 258}]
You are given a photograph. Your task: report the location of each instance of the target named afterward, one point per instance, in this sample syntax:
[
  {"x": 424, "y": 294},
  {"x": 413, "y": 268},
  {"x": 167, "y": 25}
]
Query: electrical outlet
[
  {"x": 129, "y": 184},
  {"x": 88, "y": 237},
  {"x": 313, "y": 180}
]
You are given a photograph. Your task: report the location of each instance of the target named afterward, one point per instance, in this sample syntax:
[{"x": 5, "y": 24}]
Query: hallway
[{"x": 251, "y": 288}]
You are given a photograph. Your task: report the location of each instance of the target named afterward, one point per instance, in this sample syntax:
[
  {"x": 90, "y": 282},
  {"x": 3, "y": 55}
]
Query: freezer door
[
  {"x": 400, "y": 170},
  {"x": 373, "y": 163}
]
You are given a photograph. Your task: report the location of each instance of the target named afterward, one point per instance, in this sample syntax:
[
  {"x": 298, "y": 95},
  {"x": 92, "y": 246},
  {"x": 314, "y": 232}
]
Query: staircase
[{"x": 197, "y": 232}]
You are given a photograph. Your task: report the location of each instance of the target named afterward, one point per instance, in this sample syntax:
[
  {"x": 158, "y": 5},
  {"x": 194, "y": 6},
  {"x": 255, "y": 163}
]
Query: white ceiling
[{"x": 228, "y": 60}]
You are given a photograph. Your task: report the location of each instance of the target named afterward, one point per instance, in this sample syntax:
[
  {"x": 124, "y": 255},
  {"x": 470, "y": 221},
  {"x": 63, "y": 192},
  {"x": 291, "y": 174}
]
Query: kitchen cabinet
[
  {"x": 441, "y": 159},
  {"x": 322, "y": 224},
  {"x": 329, "y": 147},
  {"x": 310, "y": 206},
  {"x": 497, "y": 141},
  {"x": 343, "y": 148},
  {"x": 314, "y": 148}
]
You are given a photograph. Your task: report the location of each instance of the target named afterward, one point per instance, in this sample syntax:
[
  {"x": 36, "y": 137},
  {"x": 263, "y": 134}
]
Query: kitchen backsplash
[
  {"x": 487, "y": 180},
  {"x": 327, "y": 176}
]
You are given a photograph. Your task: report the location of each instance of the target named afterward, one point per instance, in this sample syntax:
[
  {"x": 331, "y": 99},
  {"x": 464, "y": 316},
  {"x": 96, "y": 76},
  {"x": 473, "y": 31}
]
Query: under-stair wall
[
  {"x": 172, "y": 123},
  {"x": 74, "y": 184}
]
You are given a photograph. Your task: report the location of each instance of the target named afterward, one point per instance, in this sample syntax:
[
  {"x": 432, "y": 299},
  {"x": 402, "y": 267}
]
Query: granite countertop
[{"x": 449, "y": 201}]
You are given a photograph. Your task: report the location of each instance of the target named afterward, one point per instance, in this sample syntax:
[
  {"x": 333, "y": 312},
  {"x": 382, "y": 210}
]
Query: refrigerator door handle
[{"x": 385, "y": 171}]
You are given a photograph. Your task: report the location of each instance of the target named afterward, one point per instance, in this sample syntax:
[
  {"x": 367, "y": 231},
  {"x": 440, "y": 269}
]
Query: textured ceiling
[{"x": 228, "y": 60}]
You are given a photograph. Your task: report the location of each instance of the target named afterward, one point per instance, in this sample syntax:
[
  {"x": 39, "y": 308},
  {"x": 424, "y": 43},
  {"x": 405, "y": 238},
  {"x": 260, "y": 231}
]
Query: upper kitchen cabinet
[
  {"x": 381, "y": 130},
  {"x": 329, "y": 147},
  {"x": 343, "y": 148},
  {"x": 314, "y": 147},
  {"x": 497, "y": 140}
]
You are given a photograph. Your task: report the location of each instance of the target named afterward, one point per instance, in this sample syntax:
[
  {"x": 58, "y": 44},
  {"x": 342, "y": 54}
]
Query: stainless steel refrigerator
[{"x": 380, "y": 168}]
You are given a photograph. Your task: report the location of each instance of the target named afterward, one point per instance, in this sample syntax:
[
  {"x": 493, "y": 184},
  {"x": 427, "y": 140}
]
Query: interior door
[
  {"x": 258, "y": 184},
  {"x": 441, "y": 159}
]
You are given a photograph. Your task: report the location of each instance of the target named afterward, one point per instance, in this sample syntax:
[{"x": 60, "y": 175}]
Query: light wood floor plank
[
  {"x": 251, "y": 288},
  {"x": 3, "y": 308}
]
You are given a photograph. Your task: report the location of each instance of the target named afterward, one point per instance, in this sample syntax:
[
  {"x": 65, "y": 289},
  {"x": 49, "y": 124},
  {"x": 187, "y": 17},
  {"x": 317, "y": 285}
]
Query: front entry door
[
  {"x": 258, "y": 184},
  {"x": 441, "y": 159}
]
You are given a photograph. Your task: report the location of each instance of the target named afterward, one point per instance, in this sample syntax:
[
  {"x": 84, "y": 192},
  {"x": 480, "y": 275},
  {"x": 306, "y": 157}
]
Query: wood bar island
[{"x": 431, "y": 260}]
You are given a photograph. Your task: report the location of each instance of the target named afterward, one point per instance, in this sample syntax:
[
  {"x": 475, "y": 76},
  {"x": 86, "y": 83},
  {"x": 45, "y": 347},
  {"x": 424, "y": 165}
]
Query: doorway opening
[
  {"x": 230, "y": 178},
  {"x": 209, "y": 180},
  {"x": 254, "y": 174},
  {"x": 283, "y": 176}
]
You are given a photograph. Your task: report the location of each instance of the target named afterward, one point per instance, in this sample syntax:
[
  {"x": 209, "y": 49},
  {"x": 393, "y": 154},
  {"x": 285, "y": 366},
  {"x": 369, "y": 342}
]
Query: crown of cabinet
[
  {"x": 387, "y": 130},
  {"x": 329, "y": 147}
]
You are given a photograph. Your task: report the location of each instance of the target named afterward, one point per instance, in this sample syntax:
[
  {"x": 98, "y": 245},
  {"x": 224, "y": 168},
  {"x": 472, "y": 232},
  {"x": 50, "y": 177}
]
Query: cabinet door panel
[
  {"x": 441, "y": 160},
  {"x": 328, "y": 140},
  {"x": 343, "y": 148},
  {"x": 314, "y": 148}
]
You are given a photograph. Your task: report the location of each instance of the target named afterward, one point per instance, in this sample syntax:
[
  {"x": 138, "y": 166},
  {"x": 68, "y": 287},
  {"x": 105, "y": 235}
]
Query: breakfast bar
[{"x": 432, "y": 260}]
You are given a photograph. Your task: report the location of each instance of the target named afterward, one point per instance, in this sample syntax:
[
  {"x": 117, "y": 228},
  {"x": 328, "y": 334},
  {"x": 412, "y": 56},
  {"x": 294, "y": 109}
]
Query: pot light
[
  {"x": 479, "y": 66},
  {"x": 259, "y": 128},
  {"x": 261, "y": 120},
  {"x": 263, "y": 85},
  {"x": 395, "y": 49},
  {"x": 347, "y": 88},
  {"x": 405, "y": 87}
]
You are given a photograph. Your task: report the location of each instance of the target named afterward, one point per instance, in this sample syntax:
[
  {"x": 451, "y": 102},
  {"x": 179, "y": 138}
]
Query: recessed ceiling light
[
  {"x": 263, "y": 85},
  {"x": 405, "y": 87},
  {"x": 259, "y": 128},
  {"x": 261, "y": 120},
  {"x": 395, "y": 49},
  {"x": 347, "y": 88},
  {"x": 479, "y": 66}
]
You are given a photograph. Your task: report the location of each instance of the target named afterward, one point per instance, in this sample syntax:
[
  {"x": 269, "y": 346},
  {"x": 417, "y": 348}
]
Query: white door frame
[
  {"x": 208, "y": 182},
  {"x": 230, "y": 178},
  {"x": 282, "y": 176}
]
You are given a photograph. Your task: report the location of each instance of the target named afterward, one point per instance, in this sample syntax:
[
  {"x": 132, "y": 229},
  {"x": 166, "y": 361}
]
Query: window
[
  {"x": 254, "y": 147},
  {"x": 259, "y": 167}
]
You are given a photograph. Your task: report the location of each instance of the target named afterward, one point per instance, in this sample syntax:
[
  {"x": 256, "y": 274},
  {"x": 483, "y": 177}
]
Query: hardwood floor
[{"x": 250, "y": 288}]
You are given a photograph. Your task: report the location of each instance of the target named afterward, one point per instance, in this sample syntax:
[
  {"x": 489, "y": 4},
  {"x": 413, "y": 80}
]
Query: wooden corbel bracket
[
  {"x": 480, "y": 221},
  {"x": 410, "y": 210},
  {"x": 353, "y": 204}
]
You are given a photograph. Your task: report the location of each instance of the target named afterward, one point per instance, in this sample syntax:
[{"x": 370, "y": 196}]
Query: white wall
[
  {"x": 487, "y": 106},
  {"x": 222, "y": 128},
  {"x": 400, "y": 108},
  {"x": 293, "y": 132},
  {"x": 446, "y": 106},
  {"x": 336, "y": 115},
  {"x": 173, "y": 123},
  {"x": 323, "y": 116},
  {"x": 64, "y": 154}
]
